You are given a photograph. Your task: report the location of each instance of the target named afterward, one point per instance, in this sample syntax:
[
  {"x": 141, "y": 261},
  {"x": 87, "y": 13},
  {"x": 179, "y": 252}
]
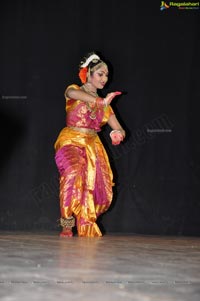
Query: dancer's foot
[{"x": 66, "y": 232}]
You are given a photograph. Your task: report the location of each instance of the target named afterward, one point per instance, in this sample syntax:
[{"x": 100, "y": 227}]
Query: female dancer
[{"x": 86, "y": 177}]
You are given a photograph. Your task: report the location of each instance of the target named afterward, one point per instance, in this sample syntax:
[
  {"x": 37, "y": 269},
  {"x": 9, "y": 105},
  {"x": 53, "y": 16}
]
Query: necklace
[{"x": 92, "y": 109}]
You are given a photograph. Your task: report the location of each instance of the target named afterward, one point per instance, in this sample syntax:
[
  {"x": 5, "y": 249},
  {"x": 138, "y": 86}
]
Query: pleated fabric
[{"x": 86, "y": 179}]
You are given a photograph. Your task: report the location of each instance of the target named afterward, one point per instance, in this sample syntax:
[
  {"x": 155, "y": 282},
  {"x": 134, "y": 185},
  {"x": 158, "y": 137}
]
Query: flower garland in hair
[{"x": 83, "y": 74}]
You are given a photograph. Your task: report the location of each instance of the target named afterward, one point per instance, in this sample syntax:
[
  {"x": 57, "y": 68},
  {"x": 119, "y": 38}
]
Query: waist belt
[{"x": 83, "y": 130}]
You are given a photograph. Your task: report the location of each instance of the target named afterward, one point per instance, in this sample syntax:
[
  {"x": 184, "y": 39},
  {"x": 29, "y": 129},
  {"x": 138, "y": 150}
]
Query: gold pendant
[{"x": 92, "y": 116}]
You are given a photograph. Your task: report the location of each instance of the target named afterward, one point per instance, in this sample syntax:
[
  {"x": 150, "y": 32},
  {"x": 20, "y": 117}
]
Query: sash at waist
[{"x": 83, "y": 130}]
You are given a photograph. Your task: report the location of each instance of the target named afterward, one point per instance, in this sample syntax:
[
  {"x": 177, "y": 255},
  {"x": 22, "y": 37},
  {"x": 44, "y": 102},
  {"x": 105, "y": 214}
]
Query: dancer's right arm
[{"x": 79, "y": 94}]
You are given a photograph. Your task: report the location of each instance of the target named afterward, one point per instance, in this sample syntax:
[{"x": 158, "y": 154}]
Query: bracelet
[
  {"x": 114, "y": 131},
  {"x": 101, "y": 102}
]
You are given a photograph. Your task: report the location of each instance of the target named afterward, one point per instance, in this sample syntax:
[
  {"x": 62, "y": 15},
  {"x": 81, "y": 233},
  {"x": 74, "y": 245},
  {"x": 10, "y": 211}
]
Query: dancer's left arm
[{"x": 118, "y": 133}]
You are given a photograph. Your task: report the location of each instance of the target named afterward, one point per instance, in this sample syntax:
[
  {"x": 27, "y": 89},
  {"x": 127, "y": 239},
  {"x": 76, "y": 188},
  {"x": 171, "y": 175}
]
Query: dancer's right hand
[{"x": 109, "y": 97}]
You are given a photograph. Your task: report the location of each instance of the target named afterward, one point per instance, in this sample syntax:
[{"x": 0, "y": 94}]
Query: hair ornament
[{"x": 90, "y": 59}]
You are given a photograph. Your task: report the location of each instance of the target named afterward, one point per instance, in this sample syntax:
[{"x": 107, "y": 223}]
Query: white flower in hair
[{"x": 90, "y": 59}]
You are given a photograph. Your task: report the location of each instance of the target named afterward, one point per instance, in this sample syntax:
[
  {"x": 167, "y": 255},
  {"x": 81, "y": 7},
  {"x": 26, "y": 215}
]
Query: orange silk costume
[{"x": 86, "y": 177}]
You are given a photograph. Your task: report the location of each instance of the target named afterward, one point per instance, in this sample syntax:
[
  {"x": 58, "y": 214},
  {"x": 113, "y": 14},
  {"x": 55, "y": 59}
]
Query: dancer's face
[{"x": 99, "y": 77}]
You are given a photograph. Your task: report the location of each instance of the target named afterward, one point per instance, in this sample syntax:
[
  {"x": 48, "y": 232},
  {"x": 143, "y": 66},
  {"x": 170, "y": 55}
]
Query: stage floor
[{"x": 42, "y": 266}]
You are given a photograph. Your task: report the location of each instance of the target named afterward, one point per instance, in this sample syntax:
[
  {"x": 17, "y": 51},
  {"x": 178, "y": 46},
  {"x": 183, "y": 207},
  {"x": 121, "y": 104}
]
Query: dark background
[{"x": 154, "y": 59}]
